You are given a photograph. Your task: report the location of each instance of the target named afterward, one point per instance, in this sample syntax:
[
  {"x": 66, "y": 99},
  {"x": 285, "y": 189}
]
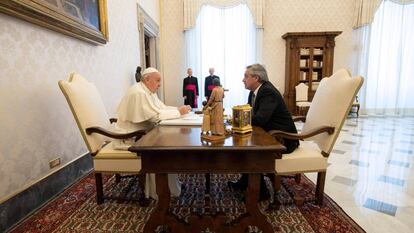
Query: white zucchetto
[{"x": 149, "y": 70}]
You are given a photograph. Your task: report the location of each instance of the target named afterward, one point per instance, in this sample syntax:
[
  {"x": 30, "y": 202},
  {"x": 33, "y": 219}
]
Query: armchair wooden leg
[
  {"x": 358, "y": 111},
  {"x": 117, "y": 178},
  {"x": 320, "y": 185},
  {"x": 99, "y": 188},
  {"x": 277, "y": 183},
  {"x": 298, "y": 177}
]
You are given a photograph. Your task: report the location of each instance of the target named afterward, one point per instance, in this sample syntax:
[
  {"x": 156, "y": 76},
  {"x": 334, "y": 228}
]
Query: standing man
[
  {"x": 190, "y": 89},
  {"x": 269, "y": 112},
  {"x": 208, "y": 83},
  {"x": 141, "y": 109}
]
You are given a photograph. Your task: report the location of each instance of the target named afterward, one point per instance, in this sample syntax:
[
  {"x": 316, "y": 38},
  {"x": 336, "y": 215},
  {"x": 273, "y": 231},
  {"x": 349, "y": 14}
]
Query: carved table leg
[
  {"x": 252, "y": 200},
  {"x": 157, "y": 219},
  {"x": 207, "y": 175}
]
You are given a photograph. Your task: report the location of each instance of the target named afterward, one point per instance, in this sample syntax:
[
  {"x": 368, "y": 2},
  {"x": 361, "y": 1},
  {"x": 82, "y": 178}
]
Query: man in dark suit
[
  {"x": 208, "y": 83},
  {"x": 269, "y": 112}
]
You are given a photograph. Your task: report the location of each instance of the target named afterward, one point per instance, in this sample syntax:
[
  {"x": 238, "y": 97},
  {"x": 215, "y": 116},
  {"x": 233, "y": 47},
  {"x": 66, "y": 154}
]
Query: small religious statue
[
  {"x": 205, "y": 128},
  {"x": 214, "y": 111}
]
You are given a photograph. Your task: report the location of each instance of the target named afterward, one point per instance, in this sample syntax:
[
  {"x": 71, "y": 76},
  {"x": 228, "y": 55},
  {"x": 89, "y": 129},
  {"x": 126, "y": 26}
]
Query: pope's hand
[{"x": 184, "y": 109}]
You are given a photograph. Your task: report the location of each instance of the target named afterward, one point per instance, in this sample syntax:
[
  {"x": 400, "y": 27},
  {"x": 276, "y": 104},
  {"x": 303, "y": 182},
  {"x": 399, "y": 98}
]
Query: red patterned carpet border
[{"x": 75, "y": 210}]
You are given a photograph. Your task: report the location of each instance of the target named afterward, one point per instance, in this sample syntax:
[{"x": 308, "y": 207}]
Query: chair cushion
[
  {"x": 110, "y": 160},
  {"x": 303, "y": 104},
  {"x": 306, "y": 158}
]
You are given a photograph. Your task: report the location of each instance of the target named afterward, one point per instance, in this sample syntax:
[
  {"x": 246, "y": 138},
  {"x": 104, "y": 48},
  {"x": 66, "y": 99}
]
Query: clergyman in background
[
  {"x": 208, "y": 83},
  {"x": 190, "y": 89}
]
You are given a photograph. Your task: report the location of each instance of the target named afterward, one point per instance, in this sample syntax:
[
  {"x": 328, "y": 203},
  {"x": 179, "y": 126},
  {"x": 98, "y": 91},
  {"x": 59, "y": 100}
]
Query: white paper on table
[{"x": 188, "y": 119}]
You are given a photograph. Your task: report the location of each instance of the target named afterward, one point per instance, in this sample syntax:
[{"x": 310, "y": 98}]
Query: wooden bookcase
[{"x": 309, "y": 58}]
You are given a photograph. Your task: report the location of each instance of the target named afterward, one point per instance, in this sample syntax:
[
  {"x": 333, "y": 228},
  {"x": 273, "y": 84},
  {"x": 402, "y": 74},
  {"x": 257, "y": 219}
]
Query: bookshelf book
[{"x": 309, "y": 58}]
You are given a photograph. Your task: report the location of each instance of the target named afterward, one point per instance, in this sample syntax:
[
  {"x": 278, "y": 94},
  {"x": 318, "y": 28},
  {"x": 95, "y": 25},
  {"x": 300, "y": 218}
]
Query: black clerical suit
[
  {"x": 190, "y": 91},
  {"x": 208, "y": 85},
  {"x": 270, "y": 113}
]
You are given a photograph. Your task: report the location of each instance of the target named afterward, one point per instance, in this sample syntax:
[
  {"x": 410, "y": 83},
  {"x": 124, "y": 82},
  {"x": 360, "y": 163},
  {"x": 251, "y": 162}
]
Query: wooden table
[{"x": 179, "y": 149}]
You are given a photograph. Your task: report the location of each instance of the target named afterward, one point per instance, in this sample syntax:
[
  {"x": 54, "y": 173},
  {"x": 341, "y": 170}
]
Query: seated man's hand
[{"x": 184, "y": 109}]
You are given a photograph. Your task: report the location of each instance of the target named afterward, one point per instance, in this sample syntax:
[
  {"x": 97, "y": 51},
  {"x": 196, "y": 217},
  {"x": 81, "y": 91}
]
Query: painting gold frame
[{"x": 42, "y": 13}]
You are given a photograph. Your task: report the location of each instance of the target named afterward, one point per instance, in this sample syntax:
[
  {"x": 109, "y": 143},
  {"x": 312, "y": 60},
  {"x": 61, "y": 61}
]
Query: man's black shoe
[
  {"x": 236, "y": 186},
  {"x": 264, "y": 194}
]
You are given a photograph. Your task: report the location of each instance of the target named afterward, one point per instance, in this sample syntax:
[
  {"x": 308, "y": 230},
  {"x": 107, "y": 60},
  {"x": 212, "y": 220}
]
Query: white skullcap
[{"x": 149, "y": 70}]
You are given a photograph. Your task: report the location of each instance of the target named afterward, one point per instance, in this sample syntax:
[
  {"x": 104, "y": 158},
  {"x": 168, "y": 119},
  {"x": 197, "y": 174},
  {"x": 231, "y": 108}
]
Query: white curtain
[
  {"x": 385, "y": 57},
  {"x": 192, "y": 8},
  {"x": 223, "y": 38},
  {"x": 364, "y": 10}
]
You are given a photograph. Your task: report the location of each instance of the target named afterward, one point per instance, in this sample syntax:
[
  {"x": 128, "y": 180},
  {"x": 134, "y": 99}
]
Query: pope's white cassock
[{"x": 140, "y": 110}]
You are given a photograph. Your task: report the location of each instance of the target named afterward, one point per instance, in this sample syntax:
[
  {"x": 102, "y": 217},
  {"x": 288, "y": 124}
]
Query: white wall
[
  {"x": 152, "y": 7},
  {"x": 172, "y": 51},
  {"x": 281, "y": 16},
  {"x": 36, "y": 124}
]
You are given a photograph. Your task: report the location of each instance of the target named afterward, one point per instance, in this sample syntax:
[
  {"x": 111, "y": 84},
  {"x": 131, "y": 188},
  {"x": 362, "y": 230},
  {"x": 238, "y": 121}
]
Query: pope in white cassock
[{"x": 140, "y": 109}]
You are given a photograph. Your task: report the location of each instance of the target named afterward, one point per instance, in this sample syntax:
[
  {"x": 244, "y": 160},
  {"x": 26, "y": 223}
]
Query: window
[
  {"x": 387, "y": 61},
  {"x": 225, "y": 39}
]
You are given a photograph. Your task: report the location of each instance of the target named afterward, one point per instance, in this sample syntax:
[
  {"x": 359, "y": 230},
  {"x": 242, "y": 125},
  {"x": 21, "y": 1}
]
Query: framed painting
[{"x": 83, "y": 19}]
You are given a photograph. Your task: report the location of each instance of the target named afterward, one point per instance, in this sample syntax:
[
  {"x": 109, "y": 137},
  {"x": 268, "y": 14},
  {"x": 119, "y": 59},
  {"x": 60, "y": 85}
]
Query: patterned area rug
[{"x": 75, "y": 210}]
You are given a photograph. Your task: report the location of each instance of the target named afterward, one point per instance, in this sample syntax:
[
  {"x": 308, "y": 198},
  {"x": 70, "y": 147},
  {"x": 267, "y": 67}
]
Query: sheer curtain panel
[
  {"x": 385, "y": 56},
  {"x": 223, "y": 38}
]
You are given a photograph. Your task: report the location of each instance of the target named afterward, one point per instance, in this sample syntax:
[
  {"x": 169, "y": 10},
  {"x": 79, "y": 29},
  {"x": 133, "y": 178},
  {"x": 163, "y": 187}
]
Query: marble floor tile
[
  {"x": 404, "y": 151},
  {"x": 398, "y": 163},
  {"x": 405, "y": 215},
  {"x": 370, "y": 151},
  {"x": 381, "y": 207},
  {"x": 358, "y": 135},
  {"x": 351, "y": 125},
  {"x": 349, "y": 142},
  {"x": 408, "y": 142},
  {"x": 359, "y": 163},
  {"x": 344, "y": 180},
  {"x": 371, "y": 174},
  {"x": 378, "y": 142},
  {"x": 391, "y": 180},
  {"x": 338, "y": 151}
]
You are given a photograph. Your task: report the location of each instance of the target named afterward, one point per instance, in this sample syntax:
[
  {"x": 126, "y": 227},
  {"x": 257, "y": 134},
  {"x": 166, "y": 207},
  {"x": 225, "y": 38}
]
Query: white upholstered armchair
[
  {"x": 323, "y": 123},
  {"x": 94, "y": 124},
  {"x": 302, "y": 102}
]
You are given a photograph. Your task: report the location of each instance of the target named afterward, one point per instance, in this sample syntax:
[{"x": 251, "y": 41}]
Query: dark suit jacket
[
  {"x": 270, "y": 113},
  {"x": 209, "y": 81}
]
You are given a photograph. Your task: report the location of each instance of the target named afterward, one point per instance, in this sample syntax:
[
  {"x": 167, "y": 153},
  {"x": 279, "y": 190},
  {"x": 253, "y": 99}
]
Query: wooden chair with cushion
[
  {"x": 302, "y": 102},
  {"x": 94, "y": 124},
  {"x": 355, "y": 106},
  {"x": 325, "y": 118}
]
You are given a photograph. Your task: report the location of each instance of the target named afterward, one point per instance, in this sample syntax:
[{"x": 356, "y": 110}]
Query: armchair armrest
[
  {"x": 138, "y": 134},
  {"x": 299, "y": 118},
  {"x": 318, "y": 130}
]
